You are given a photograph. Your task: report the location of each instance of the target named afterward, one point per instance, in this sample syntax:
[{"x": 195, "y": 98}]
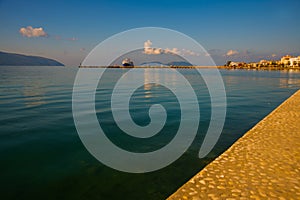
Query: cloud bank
[
  {"x": 32, "y": 32},
  {"x": 148, "y": 49}
]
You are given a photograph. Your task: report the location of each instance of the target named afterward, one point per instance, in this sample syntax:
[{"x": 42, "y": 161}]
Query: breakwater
[
  {"x": 128, "y": 67},
  {"x": 264, "y": 163},
  {"x": 201, "y": 67}
]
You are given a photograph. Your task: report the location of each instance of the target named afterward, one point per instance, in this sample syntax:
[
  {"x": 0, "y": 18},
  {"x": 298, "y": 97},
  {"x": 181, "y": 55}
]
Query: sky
[{"x": 238, "y": 30}]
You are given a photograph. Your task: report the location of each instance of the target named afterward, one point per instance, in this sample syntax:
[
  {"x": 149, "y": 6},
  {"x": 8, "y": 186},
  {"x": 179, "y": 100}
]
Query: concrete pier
[{"x": 263, "y": 164}]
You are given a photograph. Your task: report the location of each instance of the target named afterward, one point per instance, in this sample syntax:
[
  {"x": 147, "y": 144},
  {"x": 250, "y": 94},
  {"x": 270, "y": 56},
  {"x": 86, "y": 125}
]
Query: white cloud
[
  {"x": 189, "y": 52},
  {"x": 148, "y": 49},
  {"x": 32, "y": 32},
  {"x": 147, "y": 44},
  {"x": 172, "y": 51},
  {"x": 232, "y": 53}
]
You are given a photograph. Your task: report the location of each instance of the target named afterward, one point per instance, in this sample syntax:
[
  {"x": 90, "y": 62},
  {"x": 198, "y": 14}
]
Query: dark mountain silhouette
[
  {"x": 153, "y": 63},
  {"x": 174, "y": 63},
  {"x": 13, "y": 59},
  {"x": 180, "y": 63}
]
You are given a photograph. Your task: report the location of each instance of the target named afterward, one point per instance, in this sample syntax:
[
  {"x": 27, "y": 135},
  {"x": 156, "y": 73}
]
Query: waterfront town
[{"x": 286, "y": 62}]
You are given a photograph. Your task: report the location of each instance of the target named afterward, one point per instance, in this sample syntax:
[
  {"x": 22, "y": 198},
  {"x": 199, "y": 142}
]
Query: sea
[{"x": 43, "y": 157}]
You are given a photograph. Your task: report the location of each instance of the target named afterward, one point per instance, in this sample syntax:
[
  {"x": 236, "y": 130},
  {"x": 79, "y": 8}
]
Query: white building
[
  {"x": 295, "y": 61},
  {"x": 236, "y": 64},
  {"x": 285, "y": 60},
  {"x": 291, "y": 61},
  {"x": 264, "y": 62}
]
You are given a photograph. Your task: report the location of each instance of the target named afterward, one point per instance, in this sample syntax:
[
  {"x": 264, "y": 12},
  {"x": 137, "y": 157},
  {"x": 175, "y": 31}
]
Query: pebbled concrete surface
[{"x": 263, "y": 164}]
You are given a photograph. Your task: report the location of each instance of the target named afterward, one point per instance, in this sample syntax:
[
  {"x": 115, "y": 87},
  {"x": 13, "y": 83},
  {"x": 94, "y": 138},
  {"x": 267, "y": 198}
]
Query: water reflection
[
  {"x": 164, "y": 75},
  {"x": 33, "y": 93},
  {"x": 147, "y": 87},
  {"x": 289, "y": 79},
  {"x": 288, "y": 82}
]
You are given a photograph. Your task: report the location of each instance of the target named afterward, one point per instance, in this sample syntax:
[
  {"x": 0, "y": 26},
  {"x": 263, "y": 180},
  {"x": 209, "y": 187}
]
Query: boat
[{"x": 127, "y": 63}]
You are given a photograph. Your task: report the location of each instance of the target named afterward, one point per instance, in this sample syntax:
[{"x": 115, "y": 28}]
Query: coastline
[
  {"x": 160, "y": 67},
  {"x": 268, "y": 68}
]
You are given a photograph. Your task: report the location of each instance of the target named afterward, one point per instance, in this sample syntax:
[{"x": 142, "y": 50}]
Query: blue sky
[{"x": 229, "y": 30}]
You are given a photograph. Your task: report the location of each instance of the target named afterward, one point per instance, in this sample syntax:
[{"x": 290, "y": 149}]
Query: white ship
[{"x": 127, "y": 62}]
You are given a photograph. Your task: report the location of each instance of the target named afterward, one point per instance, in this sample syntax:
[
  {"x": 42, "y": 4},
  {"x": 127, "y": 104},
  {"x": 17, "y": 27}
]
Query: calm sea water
[{"x": 42, "y": 157}]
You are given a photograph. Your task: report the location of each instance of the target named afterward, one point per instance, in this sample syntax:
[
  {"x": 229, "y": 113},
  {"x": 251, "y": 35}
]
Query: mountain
[
  {"x": 180, "y": 63},
  {"x": 13, "y": 59},
  {"x": 173, "y": 63},
  {"x": 153, "y": 64}
]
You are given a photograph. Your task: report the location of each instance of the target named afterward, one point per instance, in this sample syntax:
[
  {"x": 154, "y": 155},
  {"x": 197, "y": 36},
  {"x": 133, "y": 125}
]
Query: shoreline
[
  {"x": 201, "y": 67},
  {"x": 154, "y": 67},
  {"x": 263, "y": 68}
]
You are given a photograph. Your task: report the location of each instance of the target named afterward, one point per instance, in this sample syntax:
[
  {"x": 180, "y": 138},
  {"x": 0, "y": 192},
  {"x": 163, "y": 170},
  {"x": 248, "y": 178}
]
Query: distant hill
[
  {"x": 180, "y": 63},
  {"x": 174, "y": 63},
  {"x": 13, "y": 59},
  {"x": 153, "y": 63}
]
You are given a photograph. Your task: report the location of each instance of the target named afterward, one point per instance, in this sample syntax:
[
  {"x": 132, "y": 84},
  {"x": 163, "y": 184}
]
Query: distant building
[
  {"x": 295, "y": 61},
  {"x": 233, "y": 64},
  {"x": 252, "y": 65},
  {"x": 285, "y": 60},
  {"x": 290, "y": 60},
  {"x": 236, "y": 64},
  {"x": 264, "y": 62}
]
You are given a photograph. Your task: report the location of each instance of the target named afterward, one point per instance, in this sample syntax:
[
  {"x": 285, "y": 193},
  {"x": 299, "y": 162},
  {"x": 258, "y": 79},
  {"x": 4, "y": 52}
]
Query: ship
[{"x": 127, "y": 63}]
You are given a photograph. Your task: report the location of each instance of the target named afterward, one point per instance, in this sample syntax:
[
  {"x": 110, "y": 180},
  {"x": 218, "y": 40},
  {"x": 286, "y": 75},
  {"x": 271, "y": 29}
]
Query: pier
[
  {"x": 263, "y": 164},
  {"x": 243, "y": 67},
  {"x": 152, "y": 67}
]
